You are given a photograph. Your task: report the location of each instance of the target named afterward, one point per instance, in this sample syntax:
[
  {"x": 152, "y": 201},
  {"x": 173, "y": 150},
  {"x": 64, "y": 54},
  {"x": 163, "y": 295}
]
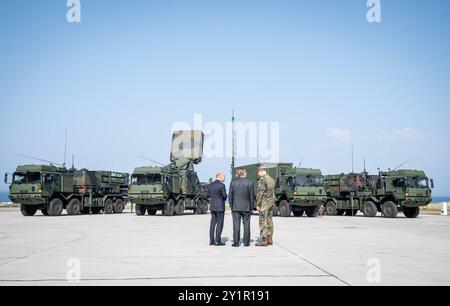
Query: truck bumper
[
  {"x": 307, "y": 201},
  {"x": 416, "y": 202},
  {"x": 147, "y": 199},
  {"x": 27, "y": 199}
]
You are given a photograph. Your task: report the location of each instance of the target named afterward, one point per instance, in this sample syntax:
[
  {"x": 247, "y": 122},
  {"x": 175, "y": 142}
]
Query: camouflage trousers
[{"x": 266, "y": 222}]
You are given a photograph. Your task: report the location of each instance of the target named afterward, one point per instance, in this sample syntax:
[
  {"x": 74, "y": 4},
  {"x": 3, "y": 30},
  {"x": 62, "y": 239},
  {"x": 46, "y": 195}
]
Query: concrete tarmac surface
[{"x": 156, "y": 250}]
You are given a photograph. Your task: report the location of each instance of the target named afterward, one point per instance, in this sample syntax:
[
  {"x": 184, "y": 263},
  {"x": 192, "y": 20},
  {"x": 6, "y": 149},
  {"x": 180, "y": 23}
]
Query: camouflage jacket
[{"x": 265, "y": 196}]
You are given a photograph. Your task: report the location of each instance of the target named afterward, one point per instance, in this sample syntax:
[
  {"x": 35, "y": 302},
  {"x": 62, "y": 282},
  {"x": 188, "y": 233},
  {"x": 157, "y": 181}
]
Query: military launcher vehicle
[
  {"x": 297, "y": 190},
  {"x": 174, "y": 188},
  {"x": 388, "y": 192},
  {"x": 52, "y": 189}
]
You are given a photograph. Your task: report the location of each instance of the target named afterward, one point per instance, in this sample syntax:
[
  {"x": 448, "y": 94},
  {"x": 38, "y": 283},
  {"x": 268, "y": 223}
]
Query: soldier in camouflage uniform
[{"x": 265, "y": 201}]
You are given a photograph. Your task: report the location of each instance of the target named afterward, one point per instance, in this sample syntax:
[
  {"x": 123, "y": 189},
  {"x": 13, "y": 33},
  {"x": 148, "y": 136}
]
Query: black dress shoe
[
  {"x": 212, "y": 243},
  {"x": 235, "y": 245},
  {"x": 220, "y": 244},
  {"x": 247, "y": 245}
]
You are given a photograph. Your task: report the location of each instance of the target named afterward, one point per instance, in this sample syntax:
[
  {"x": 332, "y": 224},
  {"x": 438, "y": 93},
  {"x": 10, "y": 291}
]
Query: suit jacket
[
  {"x": 242, "y": 195},
  {"x": 217, "y": 194}
]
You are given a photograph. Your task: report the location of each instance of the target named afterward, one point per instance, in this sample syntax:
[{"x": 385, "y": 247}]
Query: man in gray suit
[{"x": 241, "y": 199}]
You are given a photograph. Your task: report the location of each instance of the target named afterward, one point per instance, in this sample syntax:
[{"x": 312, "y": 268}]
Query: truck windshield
[
  {"x": 27, "y": 178},
  {"x": 308, "y": 180},
  {"x": 411, "y": 182},
  {"x": 146, "y": 179},
  {"x": 422, "y": 182}
]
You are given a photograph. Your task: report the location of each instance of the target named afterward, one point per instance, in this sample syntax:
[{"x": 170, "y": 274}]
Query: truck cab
[
  {"x": 407, "y": 189},
  {"x": 32, "y": 186},
  {"x": 308, "y": 191}
]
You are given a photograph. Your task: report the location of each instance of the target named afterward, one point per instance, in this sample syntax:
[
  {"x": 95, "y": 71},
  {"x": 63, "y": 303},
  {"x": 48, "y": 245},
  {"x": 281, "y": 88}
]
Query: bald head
[{"x": 221, "y": 176}]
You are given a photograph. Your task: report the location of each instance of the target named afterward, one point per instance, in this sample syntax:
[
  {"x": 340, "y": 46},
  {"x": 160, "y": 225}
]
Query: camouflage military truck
[
  {"x": 297, "y": 190},
  {"x": 347, "y": 194},
  {"x": 52, "y": 189},
  {"x": 389, "y": 192},
  {"x": 176, "y": 187}
]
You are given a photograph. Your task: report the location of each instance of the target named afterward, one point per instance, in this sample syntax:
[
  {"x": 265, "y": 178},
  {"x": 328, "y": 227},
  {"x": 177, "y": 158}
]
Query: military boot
[
  {"x": 262, "y": 243},
  {"x": 269, "y": 240}
]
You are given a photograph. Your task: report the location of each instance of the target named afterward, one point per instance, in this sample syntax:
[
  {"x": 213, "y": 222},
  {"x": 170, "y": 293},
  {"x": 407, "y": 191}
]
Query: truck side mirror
[
  {"x": 432, "y": 183},
  {"x": 6, "y": 178}
]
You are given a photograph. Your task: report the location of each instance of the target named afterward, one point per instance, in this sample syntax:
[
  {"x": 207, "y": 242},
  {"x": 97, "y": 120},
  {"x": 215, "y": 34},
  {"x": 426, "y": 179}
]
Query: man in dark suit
[
  {"x": 242, "y": 197},
  {"x": 217, "y": 194}
]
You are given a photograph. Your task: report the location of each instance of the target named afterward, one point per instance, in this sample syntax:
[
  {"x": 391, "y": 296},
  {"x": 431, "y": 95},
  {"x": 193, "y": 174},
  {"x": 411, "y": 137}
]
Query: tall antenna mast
[
  {"x": 233, "y": 153},
  {"x": 351, "y": 142},
  {"x": 300, "y": 163},
  {"x": 65, "y": 145}
]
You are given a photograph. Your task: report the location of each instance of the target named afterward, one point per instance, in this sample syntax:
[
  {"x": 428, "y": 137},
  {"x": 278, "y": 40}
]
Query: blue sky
[{"x": 130, "y": 69}]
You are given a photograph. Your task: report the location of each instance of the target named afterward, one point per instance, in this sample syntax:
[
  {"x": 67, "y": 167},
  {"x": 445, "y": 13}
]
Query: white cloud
[{"x": 340, "y": 135}]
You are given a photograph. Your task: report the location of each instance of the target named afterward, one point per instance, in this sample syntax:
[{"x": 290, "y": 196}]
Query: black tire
[
  {"x": 312, "y": 211},
  {"x": 55, "y": 208},
  {"x": 205, "y": 208},
  {"x": 74, "y": 207},
  {"x": 169, "y": 208},
  {"x": 389, "y": 209},
  {"x": 411, "y": 212},
  {"x": 285, "y": 209},
  {"x": 198, "y": 208},
  {"x": 151, "y": 212},
  {"x": 340, "y": 212},
  {"x": 370, "y": 209},
  {"x": 140, "y": 210},
  {"x": 95, "y": 210},
  {"x": 331, "y": 208},
  {"x": 109, "y": 207},
  {"x": 180, "y": 207},
  {"x": 44, "y": 211},
  {"x": 119, "y": 206},
  {"x": 28, "y": 210},
  {"x": 275, "y": 211},
  {"x": 298, "y": 212}
]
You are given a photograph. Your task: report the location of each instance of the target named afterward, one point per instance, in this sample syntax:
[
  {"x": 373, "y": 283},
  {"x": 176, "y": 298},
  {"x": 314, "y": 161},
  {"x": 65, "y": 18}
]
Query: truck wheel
[
  {"x": 285, "y": 209},
  {"x": 411, "y": 212},
  {"x": 55, "y": 207},
  {"x": 109, "y": 207},
  {"x": 389, "y": 209},
  {"x": 74, "y": 207},
  {"x": 169, "y": 208},
  {"x": 28, "y": 210},
  {"x": 140, "y": 210},
  {"x": 298, "y": 212},
  {"x": 151, "y": 212},
  {"x": 312, "y": 211},
  {"x": 331, "y": 209},
  {"x": 205, "y": 208},
  {"x": 370, "y": 209},
  {"x": 44, "y": 211},
  {"x": 179, "y": 208},
  {"x": 340, "y": 212},
  {"x": 198, "y": 208},
  {"x": 119, "y": 206},
  {"x": 276, "y": 210},
  {"x": 95, "y": 210}
]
